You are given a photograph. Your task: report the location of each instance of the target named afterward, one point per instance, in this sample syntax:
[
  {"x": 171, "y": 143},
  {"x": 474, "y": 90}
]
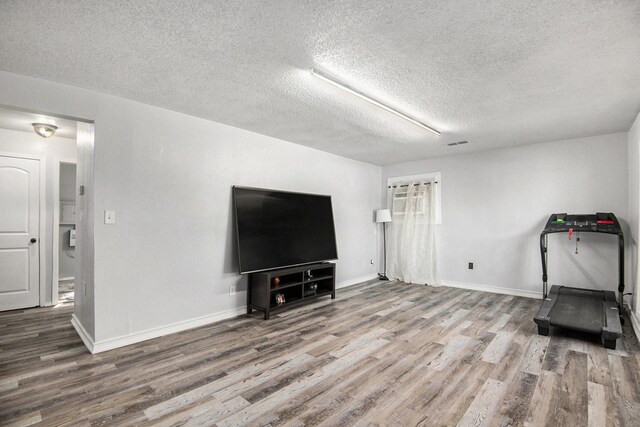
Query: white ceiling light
[
  {"x": 361, "y": 95},
  {"x": 44, "y": 130}
]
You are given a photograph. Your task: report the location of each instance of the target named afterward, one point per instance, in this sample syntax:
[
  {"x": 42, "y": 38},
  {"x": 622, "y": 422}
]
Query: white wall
[
  {"x": 170, "y": 257},
  {"x": 169, "y": 178},
  {"x": 67, "y": 193},
  {"x": 633, "y": 140},
  {"x": 84, "y": 290},
  {"x": 495, "y": 204},
  {"x": 12, "y": 141},
  {"x": 68, "y": 182}
]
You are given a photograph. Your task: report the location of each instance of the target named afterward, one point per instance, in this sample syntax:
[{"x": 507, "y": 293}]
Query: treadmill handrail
[
  {"x": 544, "y": 254},
  {"x": 586, "y": 230}
]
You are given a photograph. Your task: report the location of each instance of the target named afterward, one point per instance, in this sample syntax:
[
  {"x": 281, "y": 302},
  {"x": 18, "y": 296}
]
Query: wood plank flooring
[{"x": 380, "y": 354}]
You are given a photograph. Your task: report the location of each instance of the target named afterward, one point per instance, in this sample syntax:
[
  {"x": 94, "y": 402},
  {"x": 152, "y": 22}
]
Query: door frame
[
  {"x": 57, "y": 162},
  {"x": 42, "y": 221}
]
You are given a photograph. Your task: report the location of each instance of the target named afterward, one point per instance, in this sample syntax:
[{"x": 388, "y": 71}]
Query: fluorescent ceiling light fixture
[
  {"x": 44, "y": 130},
  {"x": 361, "y": 95}
]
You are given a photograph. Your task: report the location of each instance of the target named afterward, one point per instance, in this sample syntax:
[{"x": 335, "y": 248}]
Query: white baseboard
[
  {"x": 635, "y": 322},
  {"x": 112, "y": 343},
  {"x": 84, "y": 335},
  {"x": 494, "y": 289},
  {"x": 356, "y": 281}
]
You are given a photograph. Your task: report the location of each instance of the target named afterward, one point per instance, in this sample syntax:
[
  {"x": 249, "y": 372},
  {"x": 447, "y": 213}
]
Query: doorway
[{"x": 37, "y": 170}]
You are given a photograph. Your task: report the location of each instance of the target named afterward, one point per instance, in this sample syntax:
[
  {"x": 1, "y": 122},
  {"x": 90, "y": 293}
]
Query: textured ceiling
[{"x": 496, "y": 73}]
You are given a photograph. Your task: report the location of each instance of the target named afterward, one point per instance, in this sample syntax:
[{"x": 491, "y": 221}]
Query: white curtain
[{"x": 411, "y": 240}]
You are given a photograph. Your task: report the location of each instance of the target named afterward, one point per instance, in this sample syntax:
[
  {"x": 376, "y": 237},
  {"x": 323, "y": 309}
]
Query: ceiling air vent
[
  {"x": 451, "y": 144},
  {"x": 463, "y": 142}
]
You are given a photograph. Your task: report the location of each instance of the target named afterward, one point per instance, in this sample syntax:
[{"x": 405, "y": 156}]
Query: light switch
[{"x": 109, "y": 217}]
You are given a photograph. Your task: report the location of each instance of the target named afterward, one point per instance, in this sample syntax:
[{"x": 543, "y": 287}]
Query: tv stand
[{"x": 293, "y": 284}]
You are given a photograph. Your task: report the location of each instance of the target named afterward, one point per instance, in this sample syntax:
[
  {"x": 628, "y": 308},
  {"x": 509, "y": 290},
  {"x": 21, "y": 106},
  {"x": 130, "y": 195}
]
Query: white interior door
[{"x": 19, "y": 236}]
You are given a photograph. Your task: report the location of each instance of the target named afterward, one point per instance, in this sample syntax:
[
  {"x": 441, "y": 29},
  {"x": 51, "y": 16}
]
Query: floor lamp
[{"x": 383, "y": 216}]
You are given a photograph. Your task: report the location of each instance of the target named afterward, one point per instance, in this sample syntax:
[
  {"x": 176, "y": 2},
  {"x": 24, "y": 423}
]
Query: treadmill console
[{"x": 601, "y": 222}]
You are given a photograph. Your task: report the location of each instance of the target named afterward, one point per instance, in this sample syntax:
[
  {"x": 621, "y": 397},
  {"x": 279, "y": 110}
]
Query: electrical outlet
[
  {"x": 84, "y": 288},
  {"x": 470, "y": 266},
  {"x": 232, "y": 290}
]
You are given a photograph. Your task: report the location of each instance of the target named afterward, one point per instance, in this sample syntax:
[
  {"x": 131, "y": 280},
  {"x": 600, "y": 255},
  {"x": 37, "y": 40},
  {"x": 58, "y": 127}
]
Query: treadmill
[{"x": 585, "y": 310}]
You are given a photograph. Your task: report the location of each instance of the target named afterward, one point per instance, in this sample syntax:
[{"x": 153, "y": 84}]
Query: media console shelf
[{"x": 295, "y": 285}]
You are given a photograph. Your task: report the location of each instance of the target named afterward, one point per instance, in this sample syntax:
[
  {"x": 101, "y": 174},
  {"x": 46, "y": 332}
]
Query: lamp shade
[{"x": 383, "y": 215}]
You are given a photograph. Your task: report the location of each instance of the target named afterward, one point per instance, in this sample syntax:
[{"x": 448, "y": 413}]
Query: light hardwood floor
[{"x": 380, "y": 354}]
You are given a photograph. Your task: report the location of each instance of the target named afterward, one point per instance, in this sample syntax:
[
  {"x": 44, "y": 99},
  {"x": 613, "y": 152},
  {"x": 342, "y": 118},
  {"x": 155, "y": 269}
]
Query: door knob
[{"x": 33, "y": 240}]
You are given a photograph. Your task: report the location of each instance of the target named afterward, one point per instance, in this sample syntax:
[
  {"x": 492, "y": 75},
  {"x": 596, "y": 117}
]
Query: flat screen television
[{"x": 282, "y": 229}]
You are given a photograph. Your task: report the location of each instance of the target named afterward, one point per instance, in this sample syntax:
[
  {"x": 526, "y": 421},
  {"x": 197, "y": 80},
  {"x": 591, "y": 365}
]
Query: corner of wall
[
  {"x": 84, "y": 309},
  {"x": 633, "y": 147},
  {"x": 82, "y": 332}
]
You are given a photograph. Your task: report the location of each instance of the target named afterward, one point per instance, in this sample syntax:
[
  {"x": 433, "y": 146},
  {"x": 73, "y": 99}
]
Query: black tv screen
[{"x": 281, "y": 229}]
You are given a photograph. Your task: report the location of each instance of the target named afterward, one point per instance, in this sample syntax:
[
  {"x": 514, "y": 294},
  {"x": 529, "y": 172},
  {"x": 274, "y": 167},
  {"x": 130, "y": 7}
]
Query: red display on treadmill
[{"x": 605, "y": 221}]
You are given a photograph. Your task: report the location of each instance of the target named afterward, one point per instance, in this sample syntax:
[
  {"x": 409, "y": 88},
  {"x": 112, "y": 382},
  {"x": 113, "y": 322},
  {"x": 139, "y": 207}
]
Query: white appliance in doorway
[{"x": 19, "y": 233}]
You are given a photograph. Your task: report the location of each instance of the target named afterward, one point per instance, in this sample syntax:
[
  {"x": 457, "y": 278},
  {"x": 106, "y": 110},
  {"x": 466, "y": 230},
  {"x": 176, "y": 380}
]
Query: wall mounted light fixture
[
  {"x": 44, "y": 130},
  {"x": 345, "y": 87}
]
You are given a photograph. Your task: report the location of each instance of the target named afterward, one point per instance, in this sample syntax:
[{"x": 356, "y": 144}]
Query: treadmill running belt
[{"x": 580, "y": 312}]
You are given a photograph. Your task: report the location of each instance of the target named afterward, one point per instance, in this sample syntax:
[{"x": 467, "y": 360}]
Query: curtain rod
[{"x": 406, "y": 185}]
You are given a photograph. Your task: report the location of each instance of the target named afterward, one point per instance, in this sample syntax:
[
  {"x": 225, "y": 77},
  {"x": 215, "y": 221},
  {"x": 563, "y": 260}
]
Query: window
[{"x": 398, "y": 204}]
